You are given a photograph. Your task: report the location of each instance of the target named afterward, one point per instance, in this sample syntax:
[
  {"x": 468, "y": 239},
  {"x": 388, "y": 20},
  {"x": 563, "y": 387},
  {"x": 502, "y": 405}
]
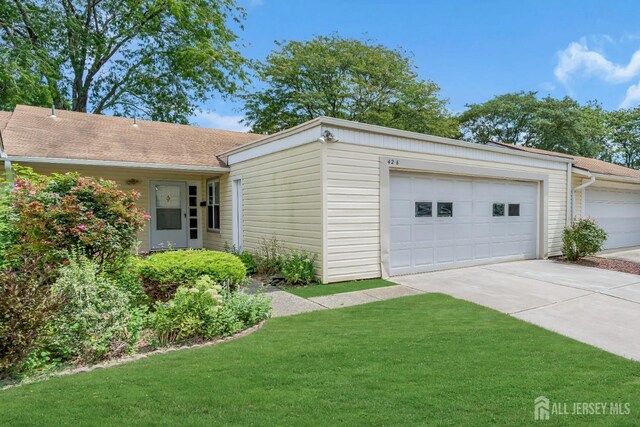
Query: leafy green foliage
[
  {"x": 94, "y": 320},
  {"x": 164, "y": 272},
  {"x": 298, "y": 268},
  {"x": 247, "y": 258},
  {"x": 522, "y": 118},
  {"x": 582, "y": 238},
  {"x": 204, "y": 310},
  {"x": 625, "y": 136},
  {"x": 53, "y": 215},
  {"x": 269, "y": 256},
  {"x": 347, "y": 79},
  {"x": 155, "y": 58},
  {"x": 26, "y": 307}
]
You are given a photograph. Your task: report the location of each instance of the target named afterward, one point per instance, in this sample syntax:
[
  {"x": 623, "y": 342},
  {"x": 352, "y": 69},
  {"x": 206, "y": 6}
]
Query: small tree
[
  {"x": 46, "y": 217},
  {"x": 582, "y": 238}
]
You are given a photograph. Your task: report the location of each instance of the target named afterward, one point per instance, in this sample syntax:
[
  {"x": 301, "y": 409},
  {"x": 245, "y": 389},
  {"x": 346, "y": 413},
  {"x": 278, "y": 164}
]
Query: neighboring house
[{"x": 369, "y": 201}]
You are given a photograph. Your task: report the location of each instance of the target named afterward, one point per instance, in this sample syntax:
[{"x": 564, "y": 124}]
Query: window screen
[
  {"x": 423, "y": 209},
  {"x": 514, "y": 209},
  {"x": 498, "y": 209},
  {"x": 445, "y": 209}
]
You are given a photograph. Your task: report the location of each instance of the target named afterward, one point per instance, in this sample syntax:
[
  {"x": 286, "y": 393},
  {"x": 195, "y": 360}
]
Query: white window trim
[{"x": 209, "y": 184}]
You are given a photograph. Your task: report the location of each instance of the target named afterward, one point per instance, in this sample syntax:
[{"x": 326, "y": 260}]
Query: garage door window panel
[
  {"x": 498, "y": 209},
  {"x": 445, "y": 209},
  {"x": 423, "y": 209},
  {"x": 514, "y": 209}
]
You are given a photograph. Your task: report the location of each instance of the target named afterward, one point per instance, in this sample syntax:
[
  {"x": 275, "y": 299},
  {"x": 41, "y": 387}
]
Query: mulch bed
[{"x": 607, "y": 264}]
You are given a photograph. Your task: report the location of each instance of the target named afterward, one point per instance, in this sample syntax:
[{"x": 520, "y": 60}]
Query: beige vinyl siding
[
  {"x": 577, "y": 180},
  {"x": 122, "y": 175},
  {"x": 282, "y": 197},
  {"x": 353, "y": 205}
]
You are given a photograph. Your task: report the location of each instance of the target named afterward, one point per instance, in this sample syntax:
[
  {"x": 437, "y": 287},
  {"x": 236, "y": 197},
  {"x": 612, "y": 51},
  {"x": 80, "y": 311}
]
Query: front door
[{"x": 168, "y": 200}]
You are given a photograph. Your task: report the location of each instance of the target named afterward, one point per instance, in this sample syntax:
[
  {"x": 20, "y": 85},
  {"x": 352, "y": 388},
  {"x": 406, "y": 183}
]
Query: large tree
[
  {"x": 561, "y": 125},
  {"x": 347, "y": 79},
  {"x": 151, "y": 58},
  {"x": 625, "y": 136}
]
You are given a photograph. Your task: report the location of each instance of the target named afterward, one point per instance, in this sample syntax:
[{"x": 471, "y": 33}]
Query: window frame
[{"x": 211, "y": 187}]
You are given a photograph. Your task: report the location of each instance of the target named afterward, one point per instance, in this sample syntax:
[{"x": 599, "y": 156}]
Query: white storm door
[{"x": 168, "y": 200}]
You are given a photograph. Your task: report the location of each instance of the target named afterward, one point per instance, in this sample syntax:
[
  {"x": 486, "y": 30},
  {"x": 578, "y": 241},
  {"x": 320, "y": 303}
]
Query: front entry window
[
  {"x": 213, "y": 205},
  {"x": 168, "y": 207}
]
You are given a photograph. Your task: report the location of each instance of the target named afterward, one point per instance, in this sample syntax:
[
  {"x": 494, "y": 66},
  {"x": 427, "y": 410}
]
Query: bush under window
[{"x": 298, "y": 268}]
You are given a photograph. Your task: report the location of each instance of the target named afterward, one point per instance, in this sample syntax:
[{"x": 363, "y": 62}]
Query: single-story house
[{"x": 369, "y": 201}]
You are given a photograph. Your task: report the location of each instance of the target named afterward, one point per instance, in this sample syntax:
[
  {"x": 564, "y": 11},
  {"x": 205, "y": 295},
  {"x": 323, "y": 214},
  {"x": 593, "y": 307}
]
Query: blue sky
[{"x": 473, "y": 49}]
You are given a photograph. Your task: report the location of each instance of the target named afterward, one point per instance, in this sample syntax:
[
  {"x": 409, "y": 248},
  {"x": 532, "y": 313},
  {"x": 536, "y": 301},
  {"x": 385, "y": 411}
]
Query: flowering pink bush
[{"x": 52, "y": 215}]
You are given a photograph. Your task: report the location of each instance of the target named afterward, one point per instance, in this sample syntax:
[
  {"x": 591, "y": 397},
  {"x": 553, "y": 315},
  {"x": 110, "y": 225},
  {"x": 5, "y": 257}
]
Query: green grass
[
  {"x": 338, "y": 288},
  {"x": 428, "y": 359}
]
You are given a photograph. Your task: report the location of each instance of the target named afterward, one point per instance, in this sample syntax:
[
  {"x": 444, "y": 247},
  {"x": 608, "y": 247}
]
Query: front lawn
[
  {"x": 428, "y": 359},
  {"x": 338, "y": 288}
]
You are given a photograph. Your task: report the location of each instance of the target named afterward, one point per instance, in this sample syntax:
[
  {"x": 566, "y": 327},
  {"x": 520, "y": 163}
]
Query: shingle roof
[
  {"x": 585, "y": 163},
  {"x": 4, "y": 118},
  {"x": 32, "y": 132}
]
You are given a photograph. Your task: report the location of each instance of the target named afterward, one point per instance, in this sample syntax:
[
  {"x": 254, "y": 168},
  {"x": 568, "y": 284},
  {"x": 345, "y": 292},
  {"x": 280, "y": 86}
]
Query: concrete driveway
[
  {"x": 626, "y": 254},
  {"x": 595, "y": 306}
]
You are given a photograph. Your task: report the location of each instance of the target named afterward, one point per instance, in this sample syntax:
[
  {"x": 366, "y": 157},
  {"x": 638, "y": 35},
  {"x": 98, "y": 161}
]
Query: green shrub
[
  {"x": 94, "y": 320},
  {"x": 298, "y": 268},
  {"x": 51, "y": 215},
  {"x": 247, "y": 258},
  {"x": 26, "y": 307},
  {"x": 191, "y": 313},
  {"x": 582, "y": 238},
  {"x": 206, "y": 310},
  {"x": 269, "y": 256},
  {"x": 164, "y": 272},
  {"x": 128, "y": 279}
]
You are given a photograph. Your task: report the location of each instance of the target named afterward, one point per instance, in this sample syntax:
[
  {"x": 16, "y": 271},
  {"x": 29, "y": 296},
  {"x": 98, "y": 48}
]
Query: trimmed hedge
[{"x": 163, "y": 272}]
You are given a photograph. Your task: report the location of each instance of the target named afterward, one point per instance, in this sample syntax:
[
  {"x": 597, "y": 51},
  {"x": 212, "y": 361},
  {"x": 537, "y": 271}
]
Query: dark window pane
[
  {"x": 209, "y": 216},
  {"x": 193, "y": 234},
  {"x": 514, "y": 209},
  {"x": 216, "y": 223},
  {"x": 193, "y": 212},
  {"x": 445, "y": 209},
  {"x": 193, "y": 190},
  {"x": 423, "y": 209},
  {"x": 193, "y": 223},
  {"x": 168, "y": 219},
  {"x": 498, "y": 209},
  {"x": 193, "y": 201},
  {"x": 210, "y": 193}
]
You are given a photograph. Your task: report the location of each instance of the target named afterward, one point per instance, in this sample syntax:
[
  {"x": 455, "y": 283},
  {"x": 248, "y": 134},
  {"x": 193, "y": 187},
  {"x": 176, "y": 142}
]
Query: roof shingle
[{"x": 32, "y": 132}]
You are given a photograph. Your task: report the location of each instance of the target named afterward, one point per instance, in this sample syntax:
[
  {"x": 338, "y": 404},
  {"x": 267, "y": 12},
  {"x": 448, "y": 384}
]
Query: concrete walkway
[{"x": 626, "y": 254}]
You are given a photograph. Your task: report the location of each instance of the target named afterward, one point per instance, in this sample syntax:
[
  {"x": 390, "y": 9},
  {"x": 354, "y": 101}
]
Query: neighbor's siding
[
  {"x": 353, "y": 204},
  {"x": 121, "y": 176},
  {"x": 282, "y": 197},
  {"x": 577, "y": 180}
]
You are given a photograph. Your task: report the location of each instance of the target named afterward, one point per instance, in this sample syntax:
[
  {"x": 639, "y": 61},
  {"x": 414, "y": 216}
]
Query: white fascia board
[
  {"x": 616, "y": 178},
  {"x": 117, "y": 164},
  {"x": 232, "y": 156}
]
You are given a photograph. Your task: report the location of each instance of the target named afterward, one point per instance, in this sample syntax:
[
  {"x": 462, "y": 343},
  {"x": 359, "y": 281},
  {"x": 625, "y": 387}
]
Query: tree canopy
[
  {"x": 152, "y": 58},
  {"x": 561, "y": 125},
  {"x": 348, "y": 79},
  {"x": 624, "y": 126}
]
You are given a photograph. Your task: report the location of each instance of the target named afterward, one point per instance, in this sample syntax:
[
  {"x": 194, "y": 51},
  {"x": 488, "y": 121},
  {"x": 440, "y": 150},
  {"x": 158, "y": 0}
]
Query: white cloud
[
  {"x": 213, "y": 120},
  {"x": 632, "y": 97},
  {"x": 579, "y": 59},
  {"x": 547, "y": 86}
]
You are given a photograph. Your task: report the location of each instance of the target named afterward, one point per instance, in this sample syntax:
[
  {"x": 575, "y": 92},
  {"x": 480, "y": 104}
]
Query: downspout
[
  {"x": 7, "y": 163},
  {"x": 581, "y": 188}
]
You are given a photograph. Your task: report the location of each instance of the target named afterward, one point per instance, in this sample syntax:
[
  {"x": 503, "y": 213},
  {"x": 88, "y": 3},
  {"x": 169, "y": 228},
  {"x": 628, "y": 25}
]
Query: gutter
[
  {"x": 157, "y": 166},
  {"x": 581, "y": 188}
]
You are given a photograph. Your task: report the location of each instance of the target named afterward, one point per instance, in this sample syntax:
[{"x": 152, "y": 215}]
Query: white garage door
[
  {"x": 440, "y": 221},
  {"x": 618, "y": 212}
]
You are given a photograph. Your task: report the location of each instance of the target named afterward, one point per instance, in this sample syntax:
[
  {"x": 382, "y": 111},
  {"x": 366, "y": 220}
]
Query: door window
[{"x": 168, "y": 207}]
